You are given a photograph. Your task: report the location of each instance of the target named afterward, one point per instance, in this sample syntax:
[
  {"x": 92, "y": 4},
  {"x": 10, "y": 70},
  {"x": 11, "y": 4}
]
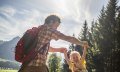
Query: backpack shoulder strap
[{"x": 30, "y": 38}]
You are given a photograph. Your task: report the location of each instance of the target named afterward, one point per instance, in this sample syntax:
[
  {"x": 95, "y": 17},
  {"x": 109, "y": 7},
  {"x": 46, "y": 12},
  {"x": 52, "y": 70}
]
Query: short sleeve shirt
[{"x": 45, "y": 35}]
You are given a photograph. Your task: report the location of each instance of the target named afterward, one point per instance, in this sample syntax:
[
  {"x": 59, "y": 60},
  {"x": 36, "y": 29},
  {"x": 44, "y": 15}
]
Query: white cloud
[
  {"x": 30, "y": 17},
  {"x": 7, "y": 31},
  {"x": 7, "y": 10},
  {"x": 13, "y": 26},
  {"x": 32, "y": 13}
]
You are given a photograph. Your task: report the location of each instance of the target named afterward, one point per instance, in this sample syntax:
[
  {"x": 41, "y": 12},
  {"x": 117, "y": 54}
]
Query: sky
[{"x": 16, "y": 16}]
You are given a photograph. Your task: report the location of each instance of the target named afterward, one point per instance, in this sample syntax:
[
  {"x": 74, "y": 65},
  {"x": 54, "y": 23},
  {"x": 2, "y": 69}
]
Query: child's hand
[
  {"x": 65, "y": 51},
  {"x": 85, "y": 44}
]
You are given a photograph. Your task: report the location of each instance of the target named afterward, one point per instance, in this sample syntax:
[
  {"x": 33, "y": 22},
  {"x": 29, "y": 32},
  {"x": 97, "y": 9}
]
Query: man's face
[{"x": 56, "y": 24}]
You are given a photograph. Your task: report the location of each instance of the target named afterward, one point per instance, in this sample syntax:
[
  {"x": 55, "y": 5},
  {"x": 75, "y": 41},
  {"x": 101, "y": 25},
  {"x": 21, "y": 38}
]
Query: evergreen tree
[
  {"x": 96, "y": 57},
  {"x": 54, "y": 63},
  {"x": 106, "y": 37},
  {"x": 82, "y": 37},
  {"x": 100, "y": 34},
  {"x": 116, "y": 51}
]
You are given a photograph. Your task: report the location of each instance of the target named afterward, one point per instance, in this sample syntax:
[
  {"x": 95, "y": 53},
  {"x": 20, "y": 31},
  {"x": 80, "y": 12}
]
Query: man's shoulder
[{"x": 33, "y": 30}]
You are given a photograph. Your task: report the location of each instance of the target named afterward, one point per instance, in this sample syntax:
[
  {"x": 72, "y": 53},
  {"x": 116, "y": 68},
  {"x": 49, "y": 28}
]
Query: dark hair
[{"x": 52, "y": 18}]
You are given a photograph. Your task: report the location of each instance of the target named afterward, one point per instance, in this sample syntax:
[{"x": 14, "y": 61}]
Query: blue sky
[{"x": 16, "y": 16}]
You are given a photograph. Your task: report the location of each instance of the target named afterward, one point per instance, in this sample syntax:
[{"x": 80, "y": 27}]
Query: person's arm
[
  {"x": 58, "y": 35},
  {"x": 51, "y": 49},
  {"x": 70, "y": 63},
  {"x": 84, "y": 52},
  {"x": 66, "y": 57},
  {"x": 71, "y": 39}
]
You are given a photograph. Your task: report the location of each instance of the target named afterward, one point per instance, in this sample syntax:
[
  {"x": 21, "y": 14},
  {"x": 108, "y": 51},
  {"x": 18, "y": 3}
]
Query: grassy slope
[{"x": 8, "y": 70}]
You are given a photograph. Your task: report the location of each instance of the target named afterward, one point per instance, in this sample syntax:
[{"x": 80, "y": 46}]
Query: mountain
[
  {"x": 7, "y": 48},
  {"x": 9, "y": 64},
  {"x": 1, "y": 42}
]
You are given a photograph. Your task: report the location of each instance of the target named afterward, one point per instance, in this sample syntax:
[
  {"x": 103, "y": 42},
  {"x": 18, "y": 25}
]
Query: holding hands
[{"x": 62, "y": 49}]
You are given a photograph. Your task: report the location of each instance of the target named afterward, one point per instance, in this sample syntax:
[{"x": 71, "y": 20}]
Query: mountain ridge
[{"x": 7, "y": 48}]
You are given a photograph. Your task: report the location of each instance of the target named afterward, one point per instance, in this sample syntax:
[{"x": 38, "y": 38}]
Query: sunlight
[{"x": 60, "y": 7}]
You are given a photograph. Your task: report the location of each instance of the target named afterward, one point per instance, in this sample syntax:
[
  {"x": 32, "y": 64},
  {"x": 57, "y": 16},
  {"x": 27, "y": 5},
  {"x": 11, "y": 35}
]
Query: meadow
[{"x": 3, "y": 70}]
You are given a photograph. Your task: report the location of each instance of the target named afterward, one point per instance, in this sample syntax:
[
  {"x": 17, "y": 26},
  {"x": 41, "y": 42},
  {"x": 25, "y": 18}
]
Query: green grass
[{"x": 8, "y": 70}]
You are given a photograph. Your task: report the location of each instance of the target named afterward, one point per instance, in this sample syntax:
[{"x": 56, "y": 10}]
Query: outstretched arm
[
  {"x": 51, "y": 49},
  {"x": 58, "y": 35},
  {"x": 84, "y": 51},
  {"x": 66, "y": 57},
  {"x": 71, "y": 39},
  {"x": 62, "y": 50},
  {"x": 70, "y": 63}
]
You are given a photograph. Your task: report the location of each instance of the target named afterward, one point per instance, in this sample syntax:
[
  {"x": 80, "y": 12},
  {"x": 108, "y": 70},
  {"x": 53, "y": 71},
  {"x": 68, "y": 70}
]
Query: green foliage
[
  {"x": 65, "y": 67},
  {"x": 103, "y": 39},
  {"x": 54, "y": 63},
  {"x": 105, "y": 34},
  {"x": 8, "y": 70},
  {"x": 9, "y": 64}
]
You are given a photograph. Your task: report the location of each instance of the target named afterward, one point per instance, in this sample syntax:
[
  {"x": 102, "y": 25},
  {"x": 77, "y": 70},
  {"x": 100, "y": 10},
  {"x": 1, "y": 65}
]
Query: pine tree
[
  {"x": 54, "y": 63},
  {"x": 106, "y": 35},
  {"x": 100, "y": 34},
  {"x": 82, "y": 37},
  {"x": 110, "y": 34},
  {"x": 84, "y": 32},
  {"x": 96, "y": 56},
  {"x": 116, "y": 51}
]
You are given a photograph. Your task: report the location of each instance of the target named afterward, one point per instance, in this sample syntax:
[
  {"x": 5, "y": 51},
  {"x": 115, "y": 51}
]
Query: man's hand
[{"x": 62, "y": 50}]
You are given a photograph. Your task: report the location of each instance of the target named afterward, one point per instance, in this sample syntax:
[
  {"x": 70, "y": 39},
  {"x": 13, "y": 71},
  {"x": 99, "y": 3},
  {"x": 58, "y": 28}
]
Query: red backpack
[{"x": 26, "y": 44}]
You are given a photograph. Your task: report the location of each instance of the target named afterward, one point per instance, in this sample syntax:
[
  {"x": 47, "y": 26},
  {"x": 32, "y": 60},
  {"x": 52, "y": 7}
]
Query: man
[{"x": 47, "y": 32}]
